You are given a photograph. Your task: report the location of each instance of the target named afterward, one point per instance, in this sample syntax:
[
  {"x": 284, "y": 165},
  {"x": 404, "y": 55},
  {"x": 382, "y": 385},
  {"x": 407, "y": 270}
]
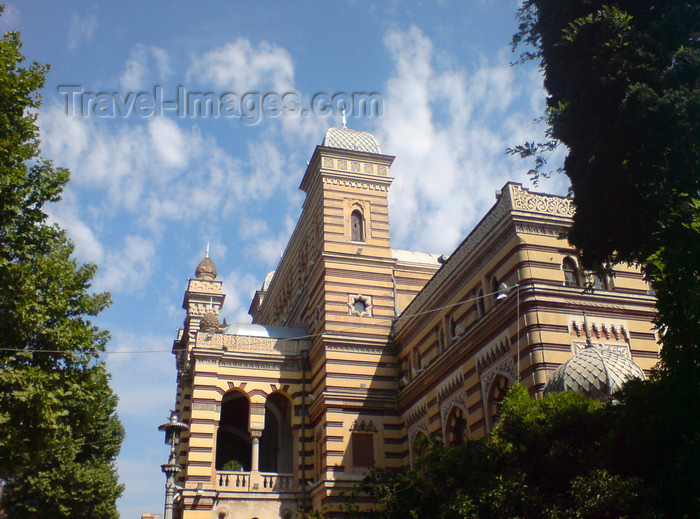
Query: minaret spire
[{"x": 206, "y": 255}]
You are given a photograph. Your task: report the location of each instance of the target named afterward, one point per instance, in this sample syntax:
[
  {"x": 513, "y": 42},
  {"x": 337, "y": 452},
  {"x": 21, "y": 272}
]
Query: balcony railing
[{"x": 254, "y": 481}]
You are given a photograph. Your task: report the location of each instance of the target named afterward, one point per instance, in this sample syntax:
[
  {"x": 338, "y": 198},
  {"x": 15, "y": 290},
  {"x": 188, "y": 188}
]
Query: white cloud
[
  {"x": 87, "y": 246},
  {"x": 241, "y": 67},
  {"x": 145, "y": 63},
  {"x": 239, "y": 288},
  {"x": 440, "y": 122},
  {"x": 81, "y": 29},
  {"x": 168, "y": 142},
  {"x": 127, "y": 268}
]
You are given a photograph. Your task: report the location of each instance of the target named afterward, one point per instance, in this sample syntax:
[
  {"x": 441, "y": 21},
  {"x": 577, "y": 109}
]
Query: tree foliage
[
  {"x": 59, "y": 434},
  {"x": 546, "y": 459},
  {"x": 623, "y": 85}
]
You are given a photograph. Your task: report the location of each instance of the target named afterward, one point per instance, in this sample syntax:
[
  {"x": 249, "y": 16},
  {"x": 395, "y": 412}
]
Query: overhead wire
[{"x": 309, "y": 336}]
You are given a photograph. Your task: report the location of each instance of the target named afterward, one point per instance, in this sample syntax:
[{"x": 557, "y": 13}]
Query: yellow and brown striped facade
[{"x": 357, "y": 350}]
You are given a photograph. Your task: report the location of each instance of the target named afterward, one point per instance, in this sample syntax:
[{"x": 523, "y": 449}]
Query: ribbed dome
[
  {"x": 209, "y": 321},
  {"x": 268, "y": 280},
  {"x": 355, "y": 140},
  {"x": 595, "y": 372},
  {"x": 206, "y": 270}
]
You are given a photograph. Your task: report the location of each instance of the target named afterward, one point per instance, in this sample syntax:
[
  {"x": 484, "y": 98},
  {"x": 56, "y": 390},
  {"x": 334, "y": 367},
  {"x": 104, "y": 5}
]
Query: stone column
[{"x": 255, "y": 455}]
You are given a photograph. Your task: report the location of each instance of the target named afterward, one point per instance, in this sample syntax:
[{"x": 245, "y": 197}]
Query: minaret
[
  {"x": 202, "y": 302},
  {"x": 203, "y": 296}
]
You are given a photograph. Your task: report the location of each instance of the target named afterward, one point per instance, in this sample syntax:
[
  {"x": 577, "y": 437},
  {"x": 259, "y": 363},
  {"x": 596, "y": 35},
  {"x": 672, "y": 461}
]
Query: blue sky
[{"x": 148, "y": 192}]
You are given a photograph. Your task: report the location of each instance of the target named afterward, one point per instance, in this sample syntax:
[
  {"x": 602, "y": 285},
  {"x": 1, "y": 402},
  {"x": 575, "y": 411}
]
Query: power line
[{"x": 309, "y": 336}]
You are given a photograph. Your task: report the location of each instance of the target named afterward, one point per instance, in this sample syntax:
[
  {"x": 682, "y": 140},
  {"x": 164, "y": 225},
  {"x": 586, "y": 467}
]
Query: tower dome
[
  {"x": 348, "y": 139},
  {"x": 206, "y": 270},
  {"x": 209, "y": 322},
  {"x": 594, "y": 371}
]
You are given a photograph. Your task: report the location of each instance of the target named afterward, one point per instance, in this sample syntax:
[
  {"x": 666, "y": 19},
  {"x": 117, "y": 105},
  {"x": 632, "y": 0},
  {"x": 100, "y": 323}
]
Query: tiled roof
[
  {"x": 594, "y": 371},
  {"x": 347, "y": 139}
]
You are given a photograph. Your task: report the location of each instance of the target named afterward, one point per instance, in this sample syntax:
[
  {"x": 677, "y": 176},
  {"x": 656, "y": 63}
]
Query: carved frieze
[
  {"x": 355, "y": 183},
  {"x": 242, "y": 343},
  {"x": 523, "y": 200}
]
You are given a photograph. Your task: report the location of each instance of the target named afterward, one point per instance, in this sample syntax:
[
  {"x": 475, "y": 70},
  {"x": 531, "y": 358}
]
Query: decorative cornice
[
  {"x": 539, "y": 228},
  {"x": 240, "y": 343},
  {"x": 355, "y": 183},
  {"x": 494, "y": 350},
  {"x": 415, "y": 414},
  {"x": 355, "y": 348},
  {"x": 540, "y": 203},
  {"x": 450, "y": 386}
]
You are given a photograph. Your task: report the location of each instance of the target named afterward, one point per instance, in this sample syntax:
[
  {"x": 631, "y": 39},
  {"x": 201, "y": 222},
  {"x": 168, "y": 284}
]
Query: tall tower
[
  {"x": 336, "y": 280},
  {"x": 293, "y": 409},
  {"x": 203, "y": 300}
]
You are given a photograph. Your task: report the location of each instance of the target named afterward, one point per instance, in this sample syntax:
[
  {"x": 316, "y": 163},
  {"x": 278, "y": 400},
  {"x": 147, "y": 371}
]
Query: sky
[{"x": 154, "y": 177}]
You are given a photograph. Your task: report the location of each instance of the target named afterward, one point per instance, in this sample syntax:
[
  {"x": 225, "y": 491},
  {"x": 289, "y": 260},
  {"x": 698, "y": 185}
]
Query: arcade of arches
[{"x": 238, "y": 448}]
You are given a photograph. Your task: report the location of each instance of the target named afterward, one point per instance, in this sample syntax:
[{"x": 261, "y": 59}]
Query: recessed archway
[
  {"x": 233, "y": 442},
  {"x": 276, "y": 442}
]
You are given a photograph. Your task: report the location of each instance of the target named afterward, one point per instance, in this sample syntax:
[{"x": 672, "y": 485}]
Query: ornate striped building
[{"x": 357, "y": 350}]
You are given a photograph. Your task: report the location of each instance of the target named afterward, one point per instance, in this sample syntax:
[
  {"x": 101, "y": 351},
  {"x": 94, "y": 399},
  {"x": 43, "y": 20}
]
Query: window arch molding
[
  {"x": 357, "y": 226},
  {"x": 456, "y": 428},
  {"x": 571, "y": 273},
  {"x": 357, "y": 220}
]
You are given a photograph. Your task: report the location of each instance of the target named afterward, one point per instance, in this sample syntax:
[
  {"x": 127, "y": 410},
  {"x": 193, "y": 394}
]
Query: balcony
[{"x": 254, "y": 481}]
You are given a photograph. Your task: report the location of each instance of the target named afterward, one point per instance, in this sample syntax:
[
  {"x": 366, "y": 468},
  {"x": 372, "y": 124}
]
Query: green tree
[
  {"x": 59, "y": 433},
  {"x": 544, "y": 460},
  {"x": 623, "y": 85}
]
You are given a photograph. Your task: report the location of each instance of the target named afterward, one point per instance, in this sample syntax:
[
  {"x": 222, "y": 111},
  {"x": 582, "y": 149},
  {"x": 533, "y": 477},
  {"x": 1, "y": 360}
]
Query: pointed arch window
[
  {"x": 357, "y": 226},
  {"x": 456, "y": 427}
]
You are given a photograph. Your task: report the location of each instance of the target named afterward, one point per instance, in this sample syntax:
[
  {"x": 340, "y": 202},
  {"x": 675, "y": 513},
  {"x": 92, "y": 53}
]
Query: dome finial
[
  {"x": 206, "y": 269},
  {"x": 344, "y": 120}
]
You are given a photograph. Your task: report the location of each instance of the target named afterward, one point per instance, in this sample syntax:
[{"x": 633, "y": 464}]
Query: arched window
[
  {"x": 480, "y": 307},
  {"x": 276, "y": 449},
  {"x": 456, "y": 427},
  {"x": 440, "y": 339},
  {"x": 357, "y": 226},
  {"x": 233, "y": 443},
  {"x": 498, "y": 390},
  {"x": 570, "y": 273}
]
